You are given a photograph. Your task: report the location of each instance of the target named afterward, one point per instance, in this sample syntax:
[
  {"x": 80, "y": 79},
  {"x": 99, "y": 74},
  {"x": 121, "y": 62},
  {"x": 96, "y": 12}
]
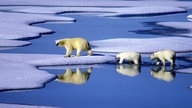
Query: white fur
[
  {"x": 131, "y": 56},
  {"x": 78, "y": 44},
  {"x": 162, "y": 56}
]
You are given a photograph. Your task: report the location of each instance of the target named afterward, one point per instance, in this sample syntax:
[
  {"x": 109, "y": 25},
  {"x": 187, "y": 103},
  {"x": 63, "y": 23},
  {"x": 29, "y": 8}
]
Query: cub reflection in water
[
  {"x": 163, "y": 74},
  {"x": 128, "y": 70},
  {"x": 75, "y": 77}
]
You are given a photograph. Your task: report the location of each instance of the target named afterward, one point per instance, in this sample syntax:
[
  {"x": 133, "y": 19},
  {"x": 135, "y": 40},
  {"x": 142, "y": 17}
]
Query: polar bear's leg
[
  {"x": 162, "y": 60},
  {"x": 78, "y": 52},
  {"x": 171, "y": 61},
  {"x": 90, "y": 52},
  {"x": 68, "y": 52},
  {"x": 121, "y": 61}
]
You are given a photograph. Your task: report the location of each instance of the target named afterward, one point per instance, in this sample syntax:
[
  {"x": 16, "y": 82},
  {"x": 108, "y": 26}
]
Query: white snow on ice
[
  {"x": 3, "y": 105},
  {"x": 185, "y": 70},
  {"x": 189, "y": 17},
  {"x": 19, "y": 71},
  {"x": 141, "y": 10},
  {"x": 179, "y": 25},
  {"x": 13, "y": 43},
  {"x": 96, "y": 3},
  {"x": 18, "y": 27},
  {"x": 15, "y": 75},
  {"x": 148, "y": 45}
]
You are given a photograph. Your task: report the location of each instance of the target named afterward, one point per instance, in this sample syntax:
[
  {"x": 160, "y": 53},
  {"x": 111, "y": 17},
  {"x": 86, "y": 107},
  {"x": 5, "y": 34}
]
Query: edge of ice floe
[
  {"x": 82, "y": 60},
  {"x": 25, "y": 76},
  {"x": 6, "y": 105},
  {"x": 144, "y": 11},
  {"x": 13, "y": 43}
]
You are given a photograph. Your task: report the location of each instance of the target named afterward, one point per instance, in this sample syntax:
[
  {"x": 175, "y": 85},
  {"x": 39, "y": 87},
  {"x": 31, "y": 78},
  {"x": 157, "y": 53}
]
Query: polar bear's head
[
  {"x": 60, "y": 42},
  {"x": 153, "y": 56},
  {"x": 117, "y": 56}
]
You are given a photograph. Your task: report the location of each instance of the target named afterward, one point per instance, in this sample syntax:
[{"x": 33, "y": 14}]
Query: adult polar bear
[
  {"x": 162, "y": 56},
  {"x": 71, "y": 44}
]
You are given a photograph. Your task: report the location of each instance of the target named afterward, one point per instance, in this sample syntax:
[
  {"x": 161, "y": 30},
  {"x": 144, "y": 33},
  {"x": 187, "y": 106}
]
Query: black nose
[{"x": 57, "y": 44}]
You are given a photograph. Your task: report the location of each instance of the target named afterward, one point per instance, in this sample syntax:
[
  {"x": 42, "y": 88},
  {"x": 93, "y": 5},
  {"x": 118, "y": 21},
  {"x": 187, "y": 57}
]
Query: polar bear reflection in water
[
  {"x": 134, "y": 70},
  {"x": 75, "y": 77},
  {"x": 163, "y": 74},
  {"x": 128, "y": 70}
]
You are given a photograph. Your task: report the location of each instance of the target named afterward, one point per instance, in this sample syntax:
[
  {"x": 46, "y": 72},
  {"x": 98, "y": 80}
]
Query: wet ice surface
[{"x": 26, "y": 66}]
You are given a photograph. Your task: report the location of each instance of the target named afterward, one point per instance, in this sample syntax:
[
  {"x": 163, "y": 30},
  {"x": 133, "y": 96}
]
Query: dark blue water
[{"x": 105, "y": 87}]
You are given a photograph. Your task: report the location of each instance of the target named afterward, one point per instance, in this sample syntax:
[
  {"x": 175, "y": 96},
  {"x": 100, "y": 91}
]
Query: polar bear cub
[
  {"x": 71, "y": 44},
  {"x": 162, "y": 56},
  {"x": 131, "y": 56}
]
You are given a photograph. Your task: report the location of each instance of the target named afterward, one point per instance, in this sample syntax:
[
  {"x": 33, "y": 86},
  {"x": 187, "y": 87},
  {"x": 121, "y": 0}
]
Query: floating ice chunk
[
  {"x": 18, "y": 71},
  {"x": 3, "y": 105},
  {"x": 179, "y": 25},
  {"x": 15, "y": 75},
  {"x": 189, "y": 17},
  {"x": 96, "y": 3},
  {"x": 185, "y": 70},
  {"x": 148, "y": 45},
  {"x": 18, "y": 27},
  {"x": 12, "y": 43},
  {"x": 123, "y": 11},
  {"x": 145, "y": 11}
]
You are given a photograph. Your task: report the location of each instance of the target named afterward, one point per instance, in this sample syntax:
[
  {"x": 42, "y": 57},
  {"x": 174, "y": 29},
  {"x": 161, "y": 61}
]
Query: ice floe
[
  {"x": 189, "y": 17},
  {"x": 185, "y": 70},
  {"x": 19, "y": 71},
  {"x": 3, "y": 105},
  {"x": 96, "y": 3},
  {"x": 55, "y": 60},
  {"x": 179, "y": 25},
  {"x": 148, "y": 45},
  {"x": 104, "y": 11},
  {"x": 14, "y": 75},
  {"x": 144, "y": 11},
  {"x": 18, "y": 27},
  {"x": 13, "y": 43}
]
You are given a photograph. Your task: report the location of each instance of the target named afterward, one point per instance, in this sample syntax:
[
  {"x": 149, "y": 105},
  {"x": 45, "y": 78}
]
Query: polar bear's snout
[{"x": 57, "y": 42}]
